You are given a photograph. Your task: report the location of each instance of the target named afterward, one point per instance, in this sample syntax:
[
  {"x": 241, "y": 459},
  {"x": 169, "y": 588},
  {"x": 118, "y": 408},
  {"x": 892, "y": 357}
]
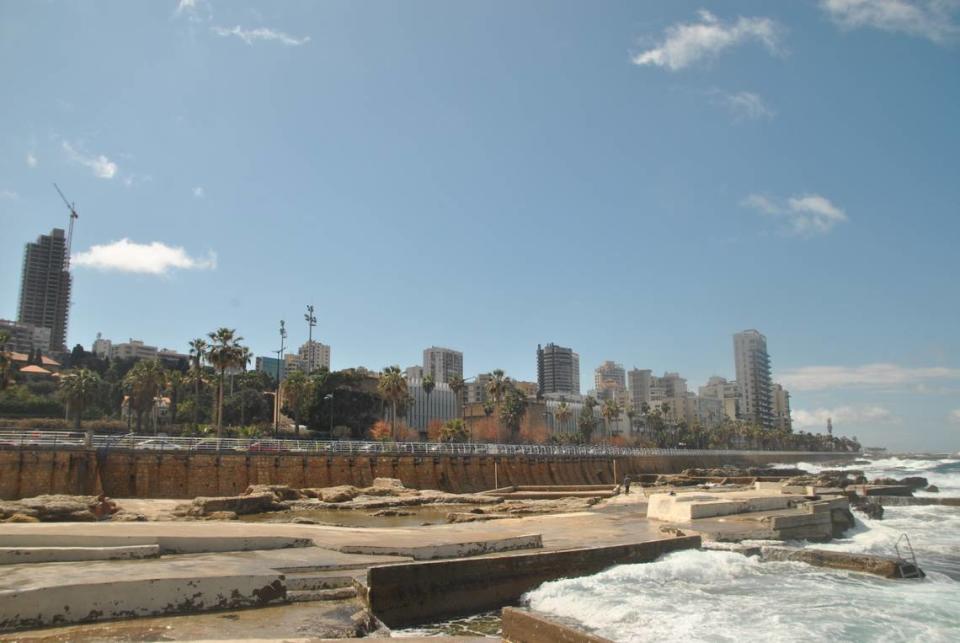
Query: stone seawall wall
[{"x": 130, "y": 474}]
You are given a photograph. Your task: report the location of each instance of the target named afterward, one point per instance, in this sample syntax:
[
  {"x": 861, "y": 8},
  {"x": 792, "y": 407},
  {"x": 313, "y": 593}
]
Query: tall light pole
[
  {"x": 329, "y": 396},
  {"x": 276, "y": 415},
  {"x": 311, "y": 322}
]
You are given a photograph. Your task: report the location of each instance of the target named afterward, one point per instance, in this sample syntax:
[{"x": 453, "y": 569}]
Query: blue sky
[{"x": 637, "y": 180}]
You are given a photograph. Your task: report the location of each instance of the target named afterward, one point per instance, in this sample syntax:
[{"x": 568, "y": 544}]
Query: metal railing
[{"x": 67, "y": 440}]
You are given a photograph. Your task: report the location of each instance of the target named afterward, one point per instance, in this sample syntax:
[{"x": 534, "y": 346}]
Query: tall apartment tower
[
  {"x": 781, "y": 408},
  {"x": 45, "y": 287},
  {"x": 753, "y": 378},
  {"x": 313, "y": 356},
  {"x": 442, "y": 363},
  {"x": 610, "y": 381},
  {"x": 640, "y": 381},
  {"x": 558, "y": 370}
]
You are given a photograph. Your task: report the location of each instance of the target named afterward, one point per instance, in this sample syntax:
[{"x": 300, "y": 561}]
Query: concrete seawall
[{"x": 131, "y": 474}]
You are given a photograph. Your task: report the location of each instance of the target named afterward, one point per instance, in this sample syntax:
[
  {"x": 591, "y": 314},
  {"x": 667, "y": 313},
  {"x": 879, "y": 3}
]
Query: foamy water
[{"x": 724, "y": 596}]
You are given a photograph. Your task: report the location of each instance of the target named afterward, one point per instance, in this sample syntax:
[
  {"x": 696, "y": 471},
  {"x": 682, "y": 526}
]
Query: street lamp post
[
  {"x": 276, "y": 416},
  {"x": 311, "y": 322}
]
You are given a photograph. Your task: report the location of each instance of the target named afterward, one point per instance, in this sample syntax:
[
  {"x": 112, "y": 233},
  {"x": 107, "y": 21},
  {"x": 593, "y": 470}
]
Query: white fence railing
[{"x": 67, "y": 440}]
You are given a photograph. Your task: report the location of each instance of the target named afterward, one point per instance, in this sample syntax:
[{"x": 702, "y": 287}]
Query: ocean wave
[{"x": 723, "y": 596}]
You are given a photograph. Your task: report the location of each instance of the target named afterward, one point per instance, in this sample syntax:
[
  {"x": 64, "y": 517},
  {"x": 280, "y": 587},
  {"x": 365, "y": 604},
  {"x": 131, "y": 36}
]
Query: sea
[{"x": 725, "y": 596}]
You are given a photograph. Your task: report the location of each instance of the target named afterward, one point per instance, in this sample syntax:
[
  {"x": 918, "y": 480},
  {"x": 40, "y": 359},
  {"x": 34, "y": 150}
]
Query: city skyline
[{"x": 633, "y": 196}]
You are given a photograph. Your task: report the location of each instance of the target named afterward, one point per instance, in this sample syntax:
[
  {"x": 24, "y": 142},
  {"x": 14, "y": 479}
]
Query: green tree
[
  {"x": 174, "y": 385},
  {"x": 296, "y": 393},
  {"x": 6, "y": 364},
  {"x": 428, "y": 385},
  {"x": 562, "y": 414},
  {"x": 79, "y": 389},
  {"x": 497, "y": 387},
  {"x": 198, "y": 353},
  {"x": 454, "y": 431},
  {"x": 611, "y": 413},
  {"x": 225, "y": 352},
  {"x": 456, "y": 384},
  {"x": 143, "y": 384},
  {"x": 393, "y": 389},
  {"x": 512, "y": 409},
  {"x": 586, "y": 422}
]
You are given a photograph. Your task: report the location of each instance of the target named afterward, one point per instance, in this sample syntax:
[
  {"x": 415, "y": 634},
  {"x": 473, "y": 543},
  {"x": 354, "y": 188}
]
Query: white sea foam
[{"x": 723, "y": 596}]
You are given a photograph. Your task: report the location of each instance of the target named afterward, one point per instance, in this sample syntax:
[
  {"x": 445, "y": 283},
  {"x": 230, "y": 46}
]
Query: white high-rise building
[
  {"x": 442, "y": 363},
  {"x": 437, "y": 407},
  {"x": 781, "y": 408},
  {"x": 753, "y": 378},
  {"x": 610, "y": 381},
  {"x": 313, "y": 356},
  {"x": 727, "y": 393}
]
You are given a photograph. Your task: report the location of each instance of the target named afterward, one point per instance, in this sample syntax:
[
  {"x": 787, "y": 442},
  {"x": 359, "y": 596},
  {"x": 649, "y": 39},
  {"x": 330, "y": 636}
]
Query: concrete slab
[
  {"x": 694, "y": 505},
  {"x": 450, "y": 550},
  {"x": 18, "y": 555}
]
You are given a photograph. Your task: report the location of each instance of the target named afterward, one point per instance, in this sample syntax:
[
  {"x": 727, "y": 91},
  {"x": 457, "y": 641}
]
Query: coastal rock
[
  {"x": 123, "y": 516},
  {"x": 17, "y": 517},
  {"x": 342, "y": 493},
  {"x": 60, "y": 508},
  {"x": 914, "y": 482},
  {"x": 240, "y": 505},
  {"x": 388, "y": 513},
  {"x": 280, "y": 491},
  {"x": 873, "y": 510},
  {"x": 933, "y": 489},
  {"x": 222, "y": 515},
  {"x": 302, "y": 520}
]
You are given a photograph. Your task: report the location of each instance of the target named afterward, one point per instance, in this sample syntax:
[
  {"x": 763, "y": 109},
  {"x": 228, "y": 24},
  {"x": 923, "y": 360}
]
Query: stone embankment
[{"x": 27, "y": 472}]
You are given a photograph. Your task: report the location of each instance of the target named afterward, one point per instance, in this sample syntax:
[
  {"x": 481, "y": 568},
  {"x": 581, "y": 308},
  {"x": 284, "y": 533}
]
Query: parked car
[
  {"x": 266, "y": 446},
  {"x": 210, "y": 444},
  {"x": 158, "y": 444}
]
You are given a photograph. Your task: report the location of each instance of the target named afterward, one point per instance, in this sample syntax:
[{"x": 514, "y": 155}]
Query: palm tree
[
  {"x": 174, "y": 383},
  {"x": 79, "y": 388},
  {"x": 198, "y": 353},
  {"x": 456, "y": 384},
  {"x": 393, "y": 388},
  {"x": 143, "y": 383},
  {"x": 428, "y": 385},
  {"x": 562, "y": 414},
  {"x": 497, "y": 385},
  {"x": 225, "y": 352},
  {"x": 296, "y": 392},
  {"x": 610, "y": 412},
  {"x": 5, "y": 362}
]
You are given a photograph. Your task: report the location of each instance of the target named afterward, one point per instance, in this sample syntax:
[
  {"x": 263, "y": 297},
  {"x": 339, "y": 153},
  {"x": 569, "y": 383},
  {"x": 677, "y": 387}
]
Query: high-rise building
[
  {"x": 475, "y": 391},
  {"x": 610, "y": 381},
  {"x": 314, "y": 356},
  {"x": 437, "y": 407},
  {"x": 781, "y": 408},
  {"x": 269, "y": 366},
  {"x": 558, "y": 370},
  {"x": 45, "y": 287},
  {"x": 728, "y": 393},
  {"x": 640, "y": 381},
  {"x": 442, "y": 363},
  {"x": 753, "y": 378},
  {"x": 414, "y": 373}
]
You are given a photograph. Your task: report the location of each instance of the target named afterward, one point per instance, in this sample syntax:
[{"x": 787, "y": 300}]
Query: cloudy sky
[{"x": 637, "y": 180}]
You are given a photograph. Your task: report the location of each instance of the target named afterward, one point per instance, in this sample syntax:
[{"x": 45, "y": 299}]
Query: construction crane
[{"x": 73, "y": 217}]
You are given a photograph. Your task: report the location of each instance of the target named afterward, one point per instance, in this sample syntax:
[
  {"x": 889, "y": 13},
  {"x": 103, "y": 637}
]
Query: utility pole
[
  {"x": 276, "y": 415},
  {"x": 311, "y": 322}
]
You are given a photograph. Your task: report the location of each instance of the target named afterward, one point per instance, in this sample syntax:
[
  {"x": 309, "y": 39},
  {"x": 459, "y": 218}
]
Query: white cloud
[
  {"x": 745, "y": 105},
  {"x": 199, "y": 192},
  {"x": 819, "y": 378},
  {"x": 930, "y": 19},
  {"x": 805, "y": 215},
  {"x": 9, "y": 194},
  {"x": 193, "y": 10},
  {"x": 32, "y": 160},
  {"x": 102, "y": 167},
  {"x": 250, "y": 36},
  {"x": 685, "y": 44},
  {"x": 148, "y": 258},
  {"x": 954, "y": 416},
  {"x": 842, "y": 415}
]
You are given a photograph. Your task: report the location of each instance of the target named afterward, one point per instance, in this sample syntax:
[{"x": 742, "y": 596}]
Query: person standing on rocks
[{"x": 626, "y": 485}]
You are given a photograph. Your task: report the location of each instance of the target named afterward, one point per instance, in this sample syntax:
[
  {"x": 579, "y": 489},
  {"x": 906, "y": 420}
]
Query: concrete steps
[{"x": 19, "y": 555}]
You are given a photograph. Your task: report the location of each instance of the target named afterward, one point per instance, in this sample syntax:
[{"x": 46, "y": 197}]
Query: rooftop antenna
[{"x": 73, "y": 217}]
